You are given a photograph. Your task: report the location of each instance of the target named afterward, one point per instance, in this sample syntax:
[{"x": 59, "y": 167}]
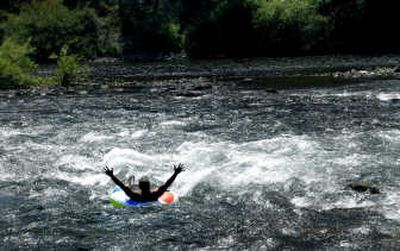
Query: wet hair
[
  {"x": 144, "y": 183},
  {"x": 144, "y": 179}
]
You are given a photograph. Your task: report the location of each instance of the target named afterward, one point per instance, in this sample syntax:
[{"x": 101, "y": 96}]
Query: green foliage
[
  {"x": 102, "y": 7},
  {"x": 16, "y": 68},
  {"x": 107, "y": 20},
  {"x": 287, "y": 26},
  {"x": 51, "y": 25},
  {"x": 362, "y": 26},
  {"x": 109, "y": 35},
  {"x": 15, "y": 65},
  {"x": 11, "y": 5},
  {"x": 152, "y": 27},
  {"x": 171, "y": 31},
  {"x": 218, "y": 28},
  {"x": 287, "y": 12},
  {"x": 159, "y": 34},
  {"x": 69, "y": 69},
  {"x": 201, "y": 28}
]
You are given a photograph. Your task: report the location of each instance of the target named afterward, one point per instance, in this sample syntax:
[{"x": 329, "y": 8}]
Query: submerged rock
[
  {"x": 364, "y": 186},
  {"x": 273, "y": 91},
  {"x": 191, "y": 94},
  {"x": 202, "y": 86}
]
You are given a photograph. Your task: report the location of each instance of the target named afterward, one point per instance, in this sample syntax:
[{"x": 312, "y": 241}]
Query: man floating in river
[{"x": 145, "y": 194}]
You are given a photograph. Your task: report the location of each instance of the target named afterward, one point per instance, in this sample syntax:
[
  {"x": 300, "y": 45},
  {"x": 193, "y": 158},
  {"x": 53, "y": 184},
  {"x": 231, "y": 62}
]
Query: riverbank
[
  {"x": 256, "y": 67},
  {"x": 273, "y": 73}
]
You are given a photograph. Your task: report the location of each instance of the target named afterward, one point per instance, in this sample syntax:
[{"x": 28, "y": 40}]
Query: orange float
[{"x": 167, "y": 198}]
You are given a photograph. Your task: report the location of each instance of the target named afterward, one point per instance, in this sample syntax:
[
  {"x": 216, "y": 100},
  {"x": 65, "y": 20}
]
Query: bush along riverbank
[
  {"x": 16, "y": 67},
  {"x": 42, "y": 32},
  {"x": 17, "y": 70}
]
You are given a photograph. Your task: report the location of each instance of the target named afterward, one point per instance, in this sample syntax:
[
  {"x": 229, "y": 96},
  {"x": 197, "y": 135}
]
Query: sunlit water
[{"x": 266, "y": 171}]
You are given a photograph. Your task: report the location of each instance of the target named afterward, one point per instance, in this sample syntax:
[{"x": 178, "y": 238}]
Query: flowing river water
[{"x": 266, "y": 170}]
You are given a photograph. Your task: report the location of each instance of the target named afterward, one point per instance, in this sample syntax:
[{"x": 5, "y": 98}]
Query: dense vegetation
[
  {"x": 15, "y": 65},
  {"x": 39, "y": 32},
  {"x": 241, "y": 28},
  {"x": 146, "y": 29}
]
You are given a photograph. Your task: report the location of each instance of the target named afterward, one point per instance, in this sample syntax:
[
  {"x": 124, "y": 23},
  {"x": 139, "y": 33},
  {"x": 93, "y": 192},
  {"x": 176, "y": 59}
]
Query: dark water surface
[{"x": 267, "y": 170}]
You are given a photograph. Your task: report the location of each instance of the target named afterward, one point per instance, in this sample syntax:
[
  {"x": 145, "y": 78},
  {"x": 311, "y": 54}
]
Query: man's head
[{"x": 144, "y": 184}]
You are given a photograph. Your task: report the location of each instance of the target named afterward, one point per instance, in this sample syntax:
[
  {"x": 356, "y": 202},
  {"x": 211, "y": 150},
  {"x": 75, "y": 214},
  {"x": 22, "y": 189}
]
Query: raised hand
[
  {"x": 180, "y": 168},
  {"x": 108, "y": 171}
]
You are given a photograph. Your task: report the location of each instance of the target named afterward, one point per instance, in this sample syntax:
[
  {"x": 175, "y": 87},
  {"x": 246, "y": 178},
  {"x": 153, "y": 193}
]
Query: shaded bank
[
  {"x": 153, "y": 29},
  {"x": 256, "y": 67},
  {"x": 247, "y": 28},
  {"x": 189, "y": 78}
]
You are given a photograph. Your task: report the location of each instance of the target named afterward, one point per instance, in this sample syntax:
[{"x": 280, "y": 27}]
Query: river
[{"x": 266, "y": 170}]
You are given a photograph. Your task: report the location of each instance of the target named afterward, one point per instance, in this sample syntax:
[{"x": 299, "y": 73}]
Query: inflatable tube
[{"x": 120, "y": 199}]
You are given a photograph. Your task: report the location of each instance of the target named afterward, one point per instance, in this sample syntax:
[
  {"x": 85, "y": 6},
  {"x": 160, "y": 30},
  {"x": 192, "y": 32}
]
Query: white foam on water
[
  {"x": 350, "y": 202},
  {"x": 172, "y": 123},
  {"x": 324, "y": 173},
  {"x": 391, "y": 136},
  {"x": 348, "y": 244},
  {"x": 302, "y": 201},
  {"x": 49, "y": 194},
  {"x": 367, "y": 94},
  {"x": 225, "y": 164},
  {"x": 391, "y": 207},
  {"x": 321, "y": 94},
  {"x": 5, "y": 175},
  {"x": 126, "y": 133},
  {"x": 76, "y": 162},
  {"x": 95, "y": 137},
  {"x": 226, "y": 242},
  {"x": 230, "y": 165},
  {"x": 354, "y": 159},
  {"x": 188, "y": 180},
  {"x": 79, "y": 171},
  {"x": 120, "y": 156},
  {"x": 92, "y": 180},
  {"x": 7, "y": 132},
  {"x": 138, "y": 134},
  {"x": 361, "y": 230},
  {"x": 388, "y": 96}
]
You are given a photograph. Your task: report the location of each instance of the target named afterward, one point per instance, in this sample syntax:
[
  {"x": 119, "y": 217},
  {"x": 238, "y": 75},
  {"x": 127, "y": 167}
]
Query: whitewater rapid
[{"x": 290, "y": 155}]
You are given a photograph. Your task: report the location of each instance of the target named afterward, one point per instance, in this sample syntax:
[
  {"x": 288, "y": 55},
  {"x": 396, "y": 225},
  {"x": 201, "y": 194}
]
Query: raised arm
[
  {"x": 177, "y": 170},
  {"x": 128, "y": 192}
]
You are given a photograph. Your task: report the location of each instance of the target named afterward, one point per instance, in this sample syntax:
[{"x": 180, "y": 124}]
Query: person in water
[{"x": 144, "y": 194}]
